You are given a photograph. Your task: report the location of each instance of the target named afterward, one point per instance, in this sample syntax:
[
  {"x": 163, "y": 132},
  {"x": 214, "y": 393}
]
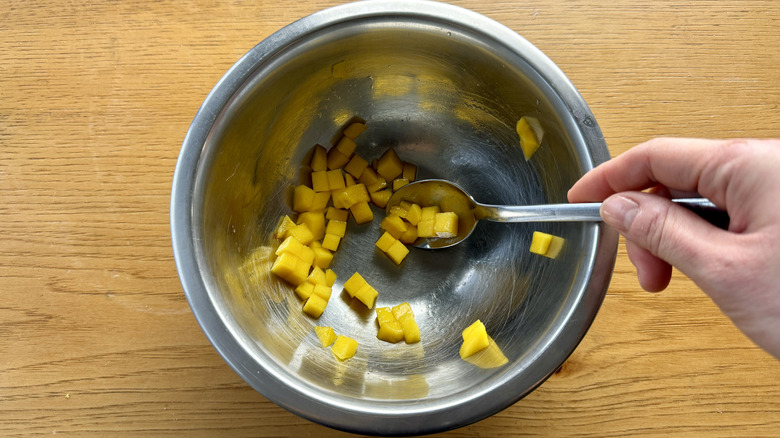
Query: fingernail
[{"x": 619, "y": 212}]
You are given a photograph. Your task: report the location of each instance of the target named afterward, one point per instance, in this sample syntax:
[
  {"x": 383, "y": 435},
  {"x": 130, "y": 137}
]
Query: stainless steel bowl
[{"x": 444, "y": 86}]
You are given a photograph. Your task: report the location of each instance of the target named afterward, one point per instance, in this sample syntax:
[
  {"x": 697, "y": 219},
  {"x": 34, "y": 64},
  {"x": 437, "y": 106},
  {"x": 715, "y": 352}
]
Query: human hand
[{"x": 739, "y": 268}]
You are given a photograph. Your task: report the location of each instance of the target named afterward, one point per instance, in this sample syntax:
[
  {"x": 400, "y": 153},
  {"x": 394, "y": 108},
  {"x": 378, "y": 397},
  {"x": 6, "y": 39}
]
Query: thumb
[{"x": 668, "y": 231}]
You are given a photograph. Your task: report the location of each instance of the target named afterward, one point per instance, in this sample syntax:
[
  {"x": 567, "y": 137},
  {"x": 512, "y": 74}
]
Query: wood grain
[{"x": 96, "y": 337}]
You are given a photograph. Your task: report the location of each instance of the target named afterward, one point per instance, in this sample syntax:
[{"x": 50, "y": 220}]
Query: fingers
[
  {"x": 679, "y": 164},
  {"x": 662, "y": 233},
  {"x": 654, "y": 274}
]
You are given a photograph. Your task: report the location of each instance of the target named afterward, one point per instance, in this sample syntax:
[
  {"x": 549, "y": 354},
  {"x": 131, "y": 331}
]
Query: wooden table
[{"x": 96, "y": 337}]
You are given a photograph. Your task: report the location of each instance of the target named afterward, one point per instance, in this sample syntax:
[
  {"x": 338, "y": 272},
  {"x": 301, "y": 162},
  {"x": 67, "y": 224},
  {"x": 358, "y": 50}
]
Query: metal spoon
[{"x": 451, "y": 197}]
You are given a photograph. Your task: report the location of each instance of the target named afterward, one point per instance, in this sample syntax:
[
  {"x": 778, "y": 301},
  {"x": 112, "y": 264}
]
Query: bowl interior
[{"x": 447, "y": 99}]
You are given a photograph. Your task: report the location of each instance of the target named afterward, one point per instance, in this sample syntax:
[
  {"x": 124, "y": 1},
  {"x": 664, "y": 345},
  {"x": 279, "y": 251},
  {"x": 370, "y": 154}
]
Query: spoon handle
[{"x": 588, "y": 212}]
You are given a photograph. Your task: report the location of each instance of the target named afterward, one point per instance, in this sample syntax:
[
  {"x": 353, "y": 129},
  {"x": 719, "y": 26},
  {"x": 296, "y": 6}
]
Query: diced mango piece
[
  {"x": 302, "y": 233},
  {"x": 353, "y": 284},
  {"x": 319, "y": 181},
  {"x": 344, "y": 347},
  {"x": 331, "y": 242},
  {"x": 429, "y": 213},
  {"x": 335, "y": 179},
  {"x": 349, "y": 180},
  {"x": 320, "y": 201},
  {"x": 315, "y": 305},
  {"x": 304, "y": 290},
  {"x": 319, "y": 159},
  {"x": 356, "y": 166},
  {"x": 330, "y": 277},
  {"x": 389, "y": 166},
  {"x": 409, "y": 236},
  {"x": 294, "y": 246},
  {"x": 349, "y": 196},
  {"x": 380, "y": 198},
  {"x": 385, "y": 242},
  {"x": 316, "y": 276},
  {"x": 326, "y": 335},
  {"x": 556, "y": 245},
  {"x": 354, "y": 130},
  {"x": 394, "y": 225},
  {"x": 336, "y": 159},
  {"x": 335, "y": 214},
  {"x": 397, "y": 252},
  {"x": 290, "y": 268},
  {"x": 322, "y": 291},
  {"x": 475, "y": 339},
  {"x": 322, "y": 257},
  {"x": 315, "y": 221},
  {"x": 377, "y": 186},
  {"x": 540, "y": 242},
  {"x": 445, "y": 224},
  {"x": 530, "y": 132},
  {"x": 336, "y": 227},
  {"x": 414, "y": 214},
  {"x": 361, "y": 212},
  {"x": 367, "y": 295},
  {"x": 399, "y": 182},
  {"x": 285, "y": 224},
  {"x": 346, "y": 146},
  {"x": 390, "y": 329},
  {"x": 403, "y": 313},
  {"x": 409, "y": 171},
  {"x": 398, "y": 210},
  {"x": 303, "y": 197},
  {"x": 369, "y": 176},
  {"x": 402, "y": 310}
]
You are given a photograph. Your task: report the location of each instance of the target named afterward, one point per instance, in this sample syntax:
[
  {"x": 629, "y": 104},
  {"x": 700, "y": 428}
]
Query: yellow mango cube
[
  {"x": 336, "y": 159},
  {"x": 294, "y": 246},
  {"x": 326, "y": 335},
  {"x": 380, "y": 198},
  {"x": 315, "y": 305},
  {"x": 319, "y": 159},
  {"x": 540, "y": 242},
  {"x": 354, "y": 130},
  {"x": 336, "y": 214},
  {"x": 304, "y": 290},
  {"x": 386, "y": 241},
  {"x": 331, "y": 242},
  {"x": 320, "y": 201},
  {"x": 394, "y": 225},
  {"x": 445, "y": 224},
  {"x": 475, "y": 339},
  {"x": 316, "y": 276},
  {"x": 361, "y": 212},
  {"x": 356, "y": 166},
  {"x": 409, "y": 236},
  {"x": 369, "y": 176},
  {"x": 390, "y": 329},
  {"x": 322, "y": 257},
  {"x": 399, "y": 182},
  {"x": 290, "y": 268},
  {"x": 330, "y": 278},
  {"x": 322, "y": 291},
  {"x": 397, "y": 252},
  {"x": 530, "y": 132},
  {"x": 413, "y": 214},
  {"x": 335, "y": 179},
  {"x": 398, "y": 210},
  {"x": 402, "y": 310},
  {"x": 409, "y": 171},
  {"x": 367, "y": 295},
  {"x": 285, "y": 224},
  {"x": 403, "y": 313},
  {"x": 389, "y": 166},
  {"x": 302, "y": 233},
  {"x": 319, "y": 181},
  {"x": 336, "y": 227},
  {"x": 377, "y": 186},
  {"x": 315, "y": 222},
  {"x": 349, "y": 180},
  {"x": 344, "y": 347},
  {"x": 346, "y": 146},
  {"x": 353, "y": 284},
  {"x": 429, "y": 213},
  {"x": 303, "y": 197},
  {"x": 555, "y": 247}
]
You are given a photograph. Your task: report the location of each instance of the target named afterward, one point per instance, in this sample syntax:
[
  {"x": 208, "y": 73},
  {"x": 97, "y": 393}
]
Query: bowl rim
[{"x": 600, "y": 260}]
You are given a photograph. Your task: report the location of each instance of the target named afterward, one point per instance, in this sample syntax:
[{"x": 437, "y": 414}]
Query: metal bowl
[{"x": 444, "y": 86}]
